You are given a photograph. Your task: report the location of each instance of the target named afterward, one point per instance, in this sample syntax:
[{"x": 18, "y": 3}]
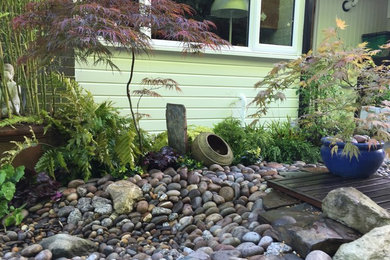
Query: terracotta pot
[
  {"x": 30, "y": 156},
  {"x": 210, "y": 149}
]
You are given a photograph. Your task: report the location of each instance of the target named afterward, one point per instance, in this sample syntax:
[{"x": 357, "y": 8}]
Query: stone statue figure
[{"x": 13, "y": 90}]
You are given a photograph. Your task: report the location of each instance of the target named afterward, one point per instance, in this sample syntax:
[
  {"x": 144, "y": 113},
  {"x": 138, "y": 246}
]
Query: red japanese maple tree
[{"x": 91, "y": 27}]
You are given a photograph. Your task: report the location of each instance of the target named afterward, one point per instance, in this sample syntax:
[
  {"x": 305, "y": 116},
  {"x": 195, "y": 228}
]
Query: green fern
[
  {"x": 97, "y": 139},
  {"x": 49, "y": 162},
  {"x": 125, "y": 148},
  {"x": 20, "y": 119}
]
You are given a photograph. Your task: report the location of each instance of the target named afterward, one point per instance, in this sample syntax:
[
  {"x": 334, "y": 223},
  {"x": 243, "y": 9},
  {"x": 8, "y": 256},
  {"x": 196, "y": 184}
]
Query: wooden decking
[{"x": 314, "y": 188}]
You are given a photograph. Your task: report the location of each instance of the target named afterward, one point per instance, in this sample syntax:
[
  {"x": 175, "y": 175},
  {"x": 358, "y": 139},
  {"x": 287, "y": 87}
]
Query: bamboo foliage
[{"x": 31, "y": 76}]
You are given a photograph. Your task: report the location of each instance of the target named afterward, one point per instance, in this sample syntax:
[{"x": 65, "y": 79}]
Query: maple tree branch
[{"x": 128, "y": 92}]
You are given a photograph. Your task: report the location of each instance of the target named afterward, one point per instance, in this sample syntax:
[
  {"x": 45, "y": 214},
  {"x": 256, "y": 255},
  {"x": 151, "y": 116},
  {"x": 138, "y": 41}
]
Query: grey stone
[
  {"x": 156, "y": 211},
  {"x": 372, "y": 246},
  {"x": 65, "y": 211},
  {"x": 31, "y": 250},
  {"x": 318, "y": 255},
  {"x": 102, "y": 205},
  {"x": 354, "y": 209},
  {"x": 84, "y": 204},
  {"x": 64, "y": 245},
  {"x": 199, "y": 255},
  {"x": 44, "y": 255},
  {"x": 225, "y": 254},
  {"x": 251, "y": 237},
  {"x": 207, "y": 196},
  {"x": 113, "y": 256},
  {"x": 81, "y": 191},
  {"x": 177, "y": 127},
  {"x": 75, "y": 183},
  {"x": 124, "y": 194},
  {"x": 94, "y": 256},
  {"x": 12, "y": 235},
  {"x": 74, "y": 217},
  {"x": 184, "y": 222},
  {"x": 311, "y": 231},
  {"x": 231, "y": 241},
  {"x": 248, "y": 249},
  {"x": 239, "y": 232},
  {"x": 265, "y": 241},
  {"x": 277, "y": 248},
  {"x": 107, "y": 222},
  {"x": 36, "y": 207}
]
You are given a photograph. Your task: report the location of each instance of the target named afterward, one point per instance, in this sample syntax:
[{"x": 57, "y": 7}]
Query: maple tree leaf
[{"x": 340, "y": 24}]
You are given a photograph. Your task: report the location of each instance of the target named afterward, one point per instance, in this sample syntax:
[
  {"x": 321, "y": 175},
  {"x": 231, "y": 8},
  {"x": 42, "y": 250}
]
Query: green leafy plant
[
  {"x": 9, "y": 176},
  {"x": 346, "y": 80},
  {"x": 189, "y": 162},
  {"x": 289, "y": 144},
  {"x": 244, "y": 141},
  {"x": 159, "y": 141},
  {"x": 276, "y": 141},
  {"x": 194, "y": 130},
  {"x": 96, "y": 138},
  {"x": 35, "y": 88}
]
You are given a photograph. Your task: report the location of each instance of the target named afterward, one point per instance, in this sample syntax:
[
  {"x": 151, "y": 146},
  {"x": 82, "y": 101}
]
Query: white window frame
[{"x": 255, "y": 49}]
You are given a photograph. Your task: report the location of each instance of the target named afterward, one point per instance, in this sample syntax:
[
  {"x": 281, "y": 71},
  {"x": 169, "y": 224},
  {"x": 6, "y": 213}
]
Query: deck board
[{"x": 314, "y": 188}]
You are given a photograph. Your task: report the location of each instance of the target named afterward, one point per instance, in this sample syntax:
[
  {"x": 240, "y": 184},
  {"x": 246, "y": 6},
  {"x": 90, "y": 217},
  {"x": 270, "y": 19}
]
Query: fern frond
[
  {"x": 20, "y": 119},
  {"x": 125, "y": 148},
  {"x": 49, "y": 162}
]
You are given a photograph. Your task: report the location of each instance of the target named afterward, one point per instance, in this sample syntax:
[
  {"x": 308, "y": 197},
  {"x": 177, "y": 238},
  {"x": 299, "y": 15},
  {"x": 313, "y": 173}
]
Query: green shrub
[
  {"x": 194, "y": 130},
  {"x": 9, "y": 176},
  {"x": 277, "y": 141},
  {"x": 189, "y": 162},
  {"x": 289, "y": 144},
  {"x": 96, "y": 138},
  {"x": 159, "y": 141},
  {"x": 244, "y": 141}
]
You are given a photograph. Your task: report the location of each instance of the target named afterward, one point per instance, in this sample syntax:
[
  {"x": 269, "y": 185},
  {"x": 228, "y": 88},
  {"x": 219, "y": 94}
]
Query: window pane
[
  {"x": 230, "y": 16},
  {"x": 276, "y": 26}
]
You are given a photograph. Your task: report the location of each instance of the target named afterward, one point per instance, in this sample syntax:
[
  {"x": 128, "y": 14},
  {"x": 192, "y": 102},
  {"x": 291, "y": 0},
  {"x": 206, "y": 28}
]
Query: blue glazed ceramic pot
[{"x": 369, "y": 160}]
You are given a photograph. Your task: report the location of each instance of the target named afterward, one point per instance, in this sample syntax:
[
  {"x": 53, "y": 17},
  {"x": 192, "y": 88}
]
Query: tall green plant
[
  {"x": 12, "y": 45},
  {"x": 9, "y": 176},
  {"x": 96, "y": 138}
]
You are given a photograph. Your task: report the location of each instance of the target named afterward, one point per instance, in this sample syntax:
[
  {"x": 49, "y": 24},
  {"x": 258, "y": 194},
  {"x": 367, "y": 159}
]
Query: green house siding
[
  {"x": 211, "y": 86},
  {"x": 366, "y": 17}
]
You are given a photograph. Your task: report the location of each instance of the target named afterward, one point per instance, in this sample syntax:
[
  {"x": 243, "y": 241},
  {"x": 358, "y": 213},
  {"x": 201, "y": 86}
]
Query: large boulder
[
  {"x": 124, "y": 194},
  {"x": 372, "y": 246},
  {"x": 354, "y": 209},
  {"x": 64, "y": 245}
]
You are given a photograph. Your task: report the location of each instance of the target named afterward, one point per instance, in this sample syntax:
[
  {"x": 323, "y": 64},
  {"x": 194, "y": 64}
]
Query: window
[
  {"x": 277, "y": 19},
  {"x": 271, "y": 28}
]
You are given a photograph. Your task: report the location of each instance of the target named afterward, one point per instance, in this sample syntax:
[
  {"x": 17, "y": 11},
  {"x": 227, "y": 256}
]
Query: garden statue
[{"x": 13, "y": 90}]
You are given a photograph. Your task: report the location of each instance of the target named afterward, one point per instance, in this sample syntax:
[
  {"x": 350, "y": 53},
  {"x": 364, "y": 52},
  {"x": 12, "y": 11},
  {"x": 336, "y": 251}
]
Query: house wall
[
  {"x": 211, "y": 86},
  {"x": 367, "y": 16}
]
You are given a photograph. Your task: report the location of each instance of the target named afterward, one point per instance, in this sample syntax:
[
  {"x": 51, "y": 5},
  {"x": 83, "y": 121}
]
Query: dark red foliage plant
[{"x": 91, "y": 28}]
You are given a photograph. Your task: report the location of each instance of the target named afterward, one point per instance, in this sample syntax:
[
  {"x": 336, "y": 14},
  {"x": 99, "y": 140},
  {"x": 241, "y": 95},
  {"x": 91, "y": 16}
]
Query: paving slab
[{"x": 277, "y": 199}]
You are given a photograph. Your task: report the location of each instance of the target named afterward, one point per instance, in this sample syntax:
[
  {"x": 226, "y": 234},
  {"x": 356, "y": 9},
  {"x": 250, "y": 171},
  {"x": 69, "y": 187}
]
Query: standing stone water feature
[{"x": 177, "y": 127}]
